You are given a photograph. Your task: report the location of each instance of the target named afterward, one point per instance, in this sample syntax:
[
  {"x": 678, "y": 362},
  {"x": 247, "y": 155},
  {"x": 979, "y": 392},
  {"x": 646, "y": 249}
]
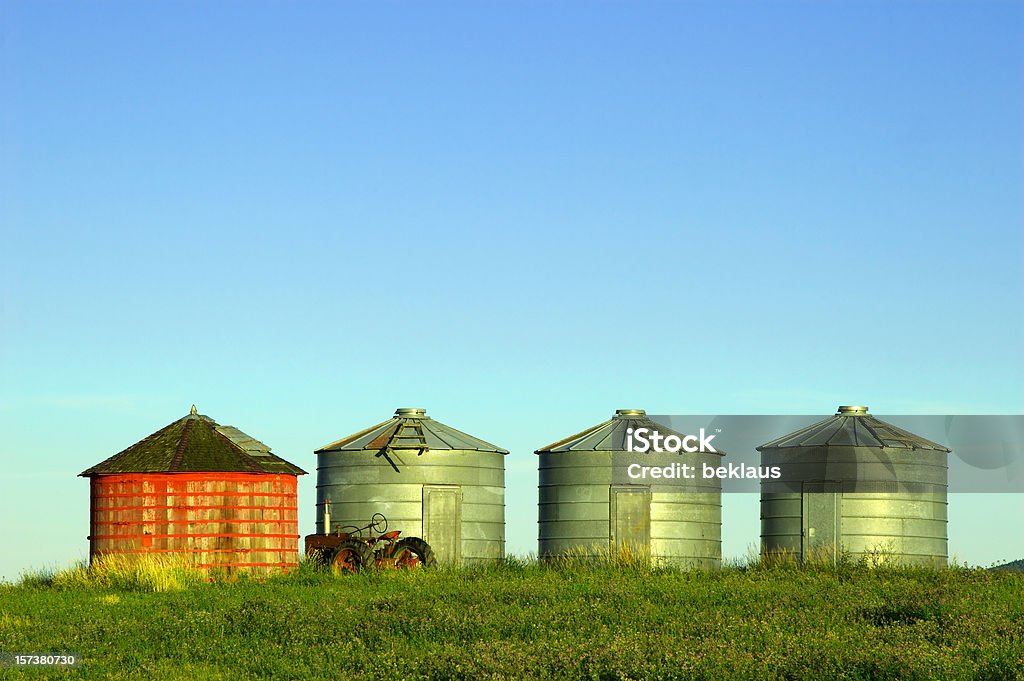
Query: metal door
[
  {"x": 630, "y": 519},
  {"x": 821, "y": 521},
  {"x": 442, "y": 521}
]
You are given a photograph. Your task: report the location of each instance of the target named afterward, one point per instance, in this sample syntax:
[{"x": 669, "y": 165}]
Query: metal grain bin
[
  {"x": 428, "y": 479},
  {"x": 589, "y": 507},
  {"x": 854, "y": 484},
  {"x": 201, "y": 490}
]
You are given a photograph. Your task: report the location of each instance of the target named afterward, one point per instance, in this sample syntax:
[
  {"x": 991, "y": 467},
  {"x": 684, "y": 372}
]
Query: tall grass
[
  {"x": 627, "y": 557},
  {"x": 604, "y": 615},
  {"x": 155, "y": 573},
  {"x": 158, "y": 573}
]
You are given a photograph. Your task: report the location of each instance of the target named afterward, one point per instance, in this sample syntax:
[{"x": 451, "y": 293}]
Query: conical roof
[
  {"x": 194, "y": 444},
  {"x": 410, "y": 429},
  {"x": 609, "y": 436},
  {"x": 853, "y": 427}
]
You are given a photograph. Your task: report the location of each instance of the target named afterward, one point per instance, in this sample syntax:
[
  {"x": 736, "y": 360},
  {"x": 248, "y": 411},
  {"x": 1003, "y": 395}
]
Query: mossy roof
[{"x": 194, "y": 444}]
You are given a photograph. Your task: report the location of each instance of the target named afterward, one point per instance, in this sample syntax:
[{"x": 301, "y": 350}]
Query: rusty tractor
[{"x": 347, "y": 549}]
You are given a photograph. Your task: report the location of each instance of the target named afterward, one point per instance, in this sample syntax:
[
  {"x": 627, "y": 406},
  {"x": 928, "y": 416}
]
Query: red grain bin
[{"x": 195, "y": 488}]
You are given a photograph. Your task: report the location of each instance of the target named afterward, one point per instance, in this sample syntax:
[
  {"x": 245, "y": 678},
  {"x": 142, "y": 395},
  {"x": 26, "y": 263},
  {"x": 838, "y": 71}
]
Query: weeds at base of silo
[
  {"x": 165, "y": 573},
  {"x": 150, "y": 573}
]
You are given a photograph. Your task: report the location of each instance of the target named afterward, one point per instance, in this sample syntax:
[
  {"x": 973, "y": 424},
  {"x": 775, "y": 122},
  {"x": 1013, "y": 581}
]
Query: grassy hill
[
  {"x": 1015, "y": 566},
  {"x": 522, "y": 620}
]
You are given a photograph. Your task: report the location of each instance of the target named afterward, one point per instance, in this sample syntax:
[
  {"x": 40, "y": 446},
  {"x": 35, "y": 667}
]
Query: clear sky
[{"x": 519, "y": 215}]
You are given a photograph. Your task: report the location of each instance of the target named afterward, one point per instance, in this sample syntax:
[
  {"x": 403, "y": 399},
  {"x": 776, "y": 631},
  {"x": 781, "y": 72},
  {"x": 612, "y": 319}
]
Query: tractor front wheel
[
  {"x": 351, "y": 555},
  {"x": 413, "y": 552}
]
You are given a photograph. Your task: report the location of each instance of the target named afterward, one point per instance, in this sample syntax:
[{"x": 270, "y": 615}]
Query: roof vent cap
[
  {"x": 629, "y": 413},
  {"x": 410, "y": 412}
]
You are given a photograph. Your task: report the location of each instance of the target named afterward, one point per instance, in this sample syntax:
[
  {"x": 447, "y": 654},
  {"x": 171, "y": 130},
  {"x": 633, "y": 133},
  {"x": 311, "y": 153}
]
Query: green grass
[{"x": 608, "y": 619}]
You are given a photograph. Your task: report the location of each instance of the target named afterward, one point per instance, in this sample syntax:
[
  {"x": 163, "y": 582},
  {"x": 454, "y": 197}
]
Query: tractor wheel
[
  {"x": 351, "y": 555},
  {"x": 413, "y": 552}
]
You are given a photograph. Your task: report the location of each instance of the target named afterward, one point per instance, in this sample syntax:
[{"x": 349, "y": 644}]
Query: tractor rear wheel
[
  {"x": 351, "y": 555},
  {"x": 413, "y": 552}
]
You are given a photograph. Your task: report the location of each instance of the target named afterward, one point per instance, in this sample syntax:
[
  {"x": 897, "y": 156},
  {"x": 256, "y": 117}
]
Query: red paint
[
  {"x": 193, "y": 507},
  {"x": 220, "y": 565},
  {"x": 194, "y": 493},
  {"x": 246, "y": 551},
  {"x": 193, "y": 535},
  {"x": 172, "y": 513}
]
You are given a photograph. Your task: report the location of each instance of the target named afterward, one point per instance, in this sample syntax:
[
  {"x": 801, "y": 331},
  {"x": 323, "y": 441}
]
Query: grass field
[{"x": 523, "y": 620}]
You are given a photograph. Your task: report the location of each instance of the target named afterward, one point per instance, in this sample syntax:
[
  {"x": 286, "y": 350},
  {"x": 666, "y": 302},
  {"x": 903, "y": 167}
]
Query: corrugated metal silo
[
  {"x": 587, "y": 505},
  {"x": 198, "y": 489},
  {"x": 852, "y": 483},
  {"x": 428, "y": 479}
]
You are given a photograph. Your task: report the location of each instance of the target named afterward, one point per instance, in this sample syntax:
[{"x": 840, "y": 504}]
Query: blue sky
[{"x": 520, "y": 216}]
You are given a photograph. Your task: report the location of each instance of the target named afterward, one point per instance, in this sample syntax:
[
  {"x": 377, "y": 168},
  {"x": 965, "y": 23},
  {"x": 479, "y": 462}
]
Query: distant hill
[{"x": 1015, "y": 566}]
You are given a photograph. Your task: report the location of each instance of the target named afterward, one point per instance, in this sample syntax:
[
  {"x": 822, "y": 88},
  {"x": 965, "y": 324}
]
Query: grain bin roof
[
  {"x": 609, "y": 436},
  {"x": 193, "y": 444},
  {"x": 853, "y": 427},
  {"x": 410, "y": 429}
]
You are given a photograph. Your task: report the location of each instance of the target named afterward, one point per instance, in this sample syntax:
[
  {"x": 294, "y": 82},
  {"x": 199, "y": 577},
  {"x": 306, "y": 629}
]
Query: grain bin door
[
  {"x": 442, "y": 521},
  {"x": 630, "y": 519},
  {"x": 821, "y": 521}
]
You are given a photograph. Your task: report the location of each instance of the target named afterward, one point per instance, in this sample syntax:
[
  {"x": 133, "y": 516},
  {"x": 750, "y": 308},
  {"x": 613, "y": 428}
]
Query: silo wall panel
[
  {"x": 686, "y": 529},
  {"x": 573, "y": 502},
  {"x": 586, "y": 531},
  {"x": 894, "y": 548},
  {"x": 893, "y": 527},
  {"x": 590, "y": 510},
  {"x": 690, "y": 530},
  {"x": 486, "y": 514},
  {"x": 484, "y": 496},
  {"x": 905, "y": 506},
  {"x": 481, "y": 550},
  {"x": 813, "y": 469},
  {"x": 586, "y": 536},
  {"x": 583, "y": 475},
  {"x": 699, "y": 555},
  {"x": 698, "y": 507},
  {"x": 477, "y": 531},
  {"x": 909, "y": 528},
  {"x": 781, "y": 523},
  {"x": 374, "y": 493},
  {"x": 354, "y": 505},
  {"x": 568, "y": 495}
]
